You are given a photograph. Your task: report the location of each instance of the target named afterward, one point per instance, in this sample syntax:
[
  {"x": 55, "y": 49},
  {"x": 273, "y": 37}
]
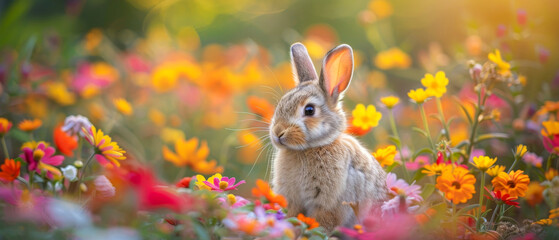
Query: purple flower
[
  {"x": 73, "y": 125},
  {"x": 532, "y": 159},
  {"x": 41, "y": 158},
  {"x": 223, "y": 184}
]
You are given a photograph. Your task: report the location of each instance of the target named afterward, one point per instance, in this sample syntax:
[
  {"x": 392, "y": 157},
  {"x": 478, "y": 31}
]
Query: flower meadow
[{"x": 151, "y": 122}]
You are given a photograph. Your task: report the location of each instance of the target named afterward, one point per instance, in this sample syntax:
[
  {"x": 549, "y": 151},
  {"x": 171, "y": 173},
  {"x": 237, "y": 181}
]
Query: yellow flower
[
  {"x": 200, "y": 181},
  {"x": 521, "y": 150},
  {"x": 170, "y": 135},
  {"x": 457, "y": 185},
  {"x": 495, "y": 170},
  {"x": 365, "y": 118},
  {"x": 544, "y": 222},
  {"x": 515, "y": 183},
  {"x": 157, "y": 117},
  {"x": 123, "y": 106},
  {"x": 436, "y": 85},
  {"x": 390, "y": 101},
  {"x": 392, "y": 58},
  {"x": 92, "y": 39},
  {"x": 483, "y": 162},
  {"x": 550, "y": 128},
  {"x": 504, "y": 67},
  {"x": 188, "y": 154},
  {"x": 381, "y": 8},
  {"x": 385, "y": 156},
  {"x": 554, "y": 213},
  {"x": 30, "y": 125},
  {"x": 104, "y": 146},
  {"x": 436, "y": 169},
  {"x": 58, "y": 92},
  {"x": 5, "y": 126},
  {"x": 96, "y": 111},
  {"x": 33, "y": 144},
  {"x": 551, "y": 173},
  {"x": 418, "y": 95},
  {"x": 166, "y": 76}
]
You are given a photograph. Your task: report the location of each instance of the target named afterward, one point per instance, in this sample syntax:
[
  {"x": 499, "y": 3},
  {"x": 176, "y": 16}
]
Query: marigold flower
[
  {"x": 223, "y": 184},
  {"x": 483, "y": 162},
  {"x": 10, "y": 170},
  {"x": 495, "y": 170},
  {"x": 418, "y": 95},
  {"x": 457, "y": 185},
  {"x": 365, "y": 118},
  {"x": 534, "y": 194},
  {"x": 436, "y": 169},
  {"x": 385, "y": 156},
  {"x": 263, "y": 189},
  {"x": 520, "y": 150},
  {"x": 42, "y": 158},
  {"x": 436, "y": 85},
  {"x": 188, "y": 154},
  {"x": 310, "y": 222},
  {"x": 30, "y": 125},
  {"x": 105, "y": 148},
  {"x": 551, "y": 173},
  {"x": 504, "y": 67},
  {"x": 5, "y": 126},
  {"x": 123, "y": 106},
  {"x": 515, "y": 183},
  {"x": 64, "y": 142},
  {"x": 390, "y": 101},
  {"x": 550, "y": 133}
]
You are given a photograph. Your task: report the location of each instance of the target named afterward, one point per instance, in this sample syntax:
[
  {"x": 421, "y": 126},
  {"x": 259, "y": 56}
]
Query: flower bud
[{"x": 78, "y": 164}]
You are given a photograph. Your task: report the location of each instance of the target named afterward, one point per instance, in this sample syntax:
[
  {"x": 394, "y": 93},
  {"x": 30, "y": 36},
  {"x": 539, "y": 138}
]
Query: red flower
[
  {"x": 184, "y": 182},
  {"x": 498, "y": 197},
  {"x": 65, "y": 143},
  {"x": 10, "y": 170}
]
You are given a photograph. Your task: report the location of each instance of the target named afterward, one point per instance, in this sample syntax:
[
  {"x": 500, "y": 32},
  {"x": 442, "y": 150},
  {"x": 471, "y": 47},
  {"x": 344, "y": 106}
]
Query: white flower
[
  {"x": 104, "y": 187},
  {"x": 64, "y": 214},
  {"x": 70, "y": 172},
  {"x": 73, "y": 125},
  {"x": 54, "y": 188}
]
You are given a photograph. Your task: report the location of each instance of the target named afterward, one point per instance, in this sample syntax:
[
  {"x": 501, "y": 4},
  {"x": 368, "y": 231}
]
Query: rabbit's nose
[{"x": 280, "y": 137}]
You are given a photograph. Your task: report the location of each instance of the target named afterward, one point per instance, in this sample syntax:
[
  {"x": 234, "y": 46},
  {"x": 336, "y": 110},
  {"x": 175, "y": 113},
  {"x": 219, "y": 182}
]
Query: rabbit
[{"x": 316, "y": 166}]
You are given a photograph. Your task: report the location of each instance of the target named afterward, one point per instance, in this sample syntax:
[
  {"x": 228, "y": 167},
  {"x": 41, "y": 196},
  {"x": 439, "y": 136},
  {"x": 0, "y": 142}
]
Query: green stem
[
  {"x": 516, "y": 157},
  {"x": 80, "y": 145},
  {"x": 399, "y": 143},
  {"x": 548, "y": 163},
  {"x": 31, "y": 177},
  {"x": 482, "y": 183},
  {"x": 84, "y": 169},
  {"x": 5, "y": 147},
  {"x": 493, "y": 215},
  {"x": 426, "y": 126},
  {"x": 479, "y": 111},
  {"x": 441, "y": 113}
]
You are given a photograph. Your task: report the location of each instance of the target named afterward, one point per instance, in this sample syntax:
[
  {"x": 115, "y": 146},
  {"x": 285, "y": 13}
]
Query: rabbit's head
[{"x": 311, "y": 115}]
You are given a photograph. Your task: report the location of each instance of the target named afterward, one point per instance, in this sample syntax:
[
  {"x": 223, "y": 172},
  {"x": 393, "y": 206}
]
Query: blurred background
[{"x": 214, "y": 69}]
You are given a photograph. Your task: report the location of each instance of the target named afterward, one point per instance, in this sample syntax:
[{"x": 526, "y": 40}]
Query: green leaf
[
  {"x": 419, "y": 130},
  {"x": 488, "y": 136},
  {"x": 465, "y": 209},
  {"x": 428, "y": 189},
  {"x": 201, "y": 232},
  {"x": 418, "y": 175},
  {"x": 464, "y": 110},
  {"x": 422, "y": 151},
  {"x": 389, "y": 168},
  {"x": 463, "y": 143},
  {"x": 319, "y": 231},
  {"x": 436, "y": 116},
  {"x": 508, "y": 219},
  {"x": 450, "y": 120},
  {"x": 395, "y": 140},
  {"x": 20, "y": 135}
]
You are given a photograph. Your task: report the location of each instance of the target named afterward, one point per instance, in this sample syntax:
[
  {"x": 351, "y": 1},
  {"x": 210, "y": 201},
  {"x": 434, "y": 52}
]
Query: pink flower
[
  {"x": 403, "y": 195},
  {"x": 104, "y": 187},
  {"x": 232, "y": 201},
  {"x": 532, "y": 159},
  {"x": 398, "y": 226},
  {"x": 223, "y": 184},
  {"x": 41, "y": 158},
  {"x": 417, "y": 163}
]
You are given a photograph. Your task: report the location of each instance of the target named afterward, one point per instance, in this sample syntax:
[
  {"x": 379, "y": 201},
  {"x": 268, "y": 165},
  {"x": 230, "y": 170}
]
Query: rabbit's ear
[
  {"x": 303, "y": 68},
  {"x": 337, "y": 69}
]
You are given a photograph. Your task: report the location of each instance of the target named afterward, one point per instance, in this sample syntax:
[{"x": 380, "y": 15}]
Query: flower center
[
  {"x": 511, "y": 184},
  {"x": 223, "y": 185},
  {"x": 456, "y": 185},
  {"x": 38, "y": 154},
  {"x": 231, "y": 198}
]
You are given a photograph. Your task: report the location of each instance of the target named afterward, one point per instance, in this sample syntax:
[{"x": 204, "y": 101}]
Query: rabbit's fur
[{"x": 317, "y": 166}]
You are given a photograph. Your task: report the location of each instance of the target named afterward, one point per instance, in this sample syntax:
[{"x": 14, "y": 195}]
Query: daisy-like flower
[
  {"x": 42, "y": 158},
  {"x": 123, "y": 106},
  {"x": 263, "y": 189},
  {"x": 310, "y": 222},
  {"x": 223, "y": 184},
  {"x": 436, "y": 169},
  {"x": 495, "y": 170},
  {"x": 520, "y": 150},
  {"x": 500, "y": 198},
  {"x": 365, "y": 118},
  {"x": 10, "y": 170},
  {"x": 544, "y": 222},
  {"x": 483, "y": 162},
  {"x": 105, "y": 148},
  {"x": 188, "y": 154},
  {"x": 457, "y": 185},
  {"x": 29, "y": 125},
  {"x": 73, "y": 125},
  {"x": 436, "y": 85},
  {"x": 418, "y": 95},
  {"x": 201, "y": 179},
  {"x": 515, "y": 184},
  {"x": 385, "y": 156},
  {"x": 504, "y": 67},
  {"x": 399, "y": 187},
  {"x": 390, "y": 101},
  {"x": 5, "y": 126},
  {"x": 550, "y": 133},
  {"x": 533, "y": 159},
  {"x": 233, "y": 201}
]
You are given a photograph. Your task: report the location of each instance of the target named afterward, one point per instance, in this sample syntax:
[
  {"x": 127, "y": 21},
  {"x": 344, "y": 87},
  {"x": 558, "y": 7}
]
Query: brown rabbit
[{"x": 317, "y": 166}]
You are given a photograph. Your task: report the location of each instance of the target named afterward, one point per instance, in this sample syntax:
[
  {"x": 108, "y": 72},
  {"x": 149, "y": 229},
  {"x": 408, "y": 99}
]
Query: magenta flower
[
  {"x": 418, "y": 162},
  {"x": 41, "y": 158},
  {"x": 223, "y": 184},
  {"x": 532, "y": 159}
]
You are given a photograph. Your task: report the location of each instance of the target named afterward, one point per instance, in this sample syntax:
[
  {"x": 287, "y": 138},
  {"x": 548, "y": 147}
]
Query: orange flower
[
  {"x": 263, "y": 189},
  {"x": 515, "y": 184},
  {"x": 64, "y": 142},
  {"x": 187, "y": 154},
  {"x": 261, "y": 107},
  {"x": 457, "y": 185},
  {"x": 30, "y": 125},
  {"x": 534, "y": 194},
  {"x": 311, "y": 222},
  {"x": 5, "y": 126},
  {"x": 10, "y": 170}
]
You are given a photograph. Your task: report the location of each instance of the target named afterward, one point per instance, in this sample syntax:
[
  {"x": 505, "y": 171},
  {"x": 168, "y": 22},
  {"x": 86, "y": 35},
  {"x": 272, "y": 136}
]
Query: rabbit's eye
[{"x": 309, "y": 110}]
